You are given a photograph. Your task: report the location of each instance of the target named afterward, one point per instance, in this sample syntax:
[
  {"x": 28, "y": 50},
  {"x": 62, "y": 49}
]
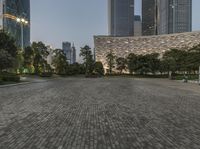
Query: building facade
[
  {"x": 149, "y": 17},
  {"x": 73, "y": 54},
  {"x": 137, "y": 25},
  {"x": 121, "y": 17},
  {"x": 10, "y": 12},
  {"x": 180, "y": 16},
  {"x": 166, "y": 16},
  {"x": 123, "y": 46},
  {"x": 70, "y": 52},
  {"x": 66, "y": 46},
  {"x": 163, "y": 16}
]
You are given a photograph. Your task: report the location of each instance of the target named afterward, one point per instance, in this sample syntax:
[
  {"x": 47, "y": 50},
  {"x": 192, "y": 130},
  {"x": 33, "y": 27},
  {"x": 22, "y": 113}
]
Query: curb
[
  {"x": 15, "y": 84},
  {"x": 24, "y": 83}
]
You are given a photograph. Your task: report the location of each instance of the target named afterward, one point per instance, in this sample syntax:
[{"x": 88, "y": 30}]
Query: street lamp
[{"x": 22, "y": 22}]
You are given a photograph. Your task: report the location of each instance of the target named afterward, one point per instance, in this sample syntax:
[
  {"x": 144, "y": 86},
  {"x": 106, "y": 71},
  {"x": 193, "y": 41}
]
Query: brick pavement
[{"x": 106, "y": 113}]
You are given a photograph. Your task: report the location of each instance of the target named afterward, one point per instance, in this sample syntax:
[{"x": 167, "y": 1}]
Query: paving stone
[{"x": 111, "y": 113}]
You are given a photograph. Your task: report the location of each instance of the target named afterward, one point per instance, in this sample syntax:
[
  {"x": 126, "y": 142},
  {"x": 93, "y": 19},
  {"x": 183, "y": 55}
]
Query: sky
[{"x": 55, "y": 21}]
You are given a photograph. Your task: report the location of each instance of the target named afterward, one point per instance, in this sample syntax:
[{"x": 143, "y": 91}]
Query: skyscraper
[
  {"x": 11, "y": 12},
  {"x": 73, "y": 55},
  {"x": 166, "y": 16},
  {"x": 149, "y": 17},
  {"x": 175, "y": 16},
  {"x": 70, "y": 52},
  {"x": 66, "y": 46},
  {"x": 121, "y": 17}
]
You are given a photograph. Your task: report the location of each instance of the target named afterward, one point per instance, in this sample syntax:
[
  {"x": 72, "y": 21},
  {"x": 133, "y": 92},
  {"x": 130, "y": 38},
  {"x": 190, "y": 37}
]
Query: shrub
[
  {"x": 98, "y": 68},
  {"x": 1, "y": 81},
  {"x": 46, "y": 74},
  {"x": 9, "y": 77}
]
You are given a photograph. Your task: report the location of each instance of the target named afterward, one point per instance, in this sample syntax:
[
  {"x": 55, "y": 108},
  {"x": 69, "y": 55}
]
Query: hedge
[{"x": 9, "y": 77}]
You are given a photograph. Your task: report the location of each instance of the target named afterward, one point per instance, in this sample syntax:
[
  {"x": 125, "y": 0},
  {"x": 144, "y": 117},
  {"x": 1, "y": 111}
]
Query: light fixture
[
  {"x": 18, "y": 19},
  {"x": 22, "y": 20}
]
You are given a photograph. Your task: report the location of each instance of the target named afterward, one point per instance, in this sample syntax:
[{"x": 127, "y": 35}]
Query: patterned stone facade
[{"x": 123, "y": 46}]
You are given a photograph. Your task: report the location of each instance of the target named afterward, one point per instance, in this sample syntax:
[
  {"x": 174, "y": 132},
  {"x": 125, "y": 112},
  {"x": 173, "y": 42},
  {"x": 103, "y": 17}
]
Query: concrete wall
[{"x": 123, "y": 46}]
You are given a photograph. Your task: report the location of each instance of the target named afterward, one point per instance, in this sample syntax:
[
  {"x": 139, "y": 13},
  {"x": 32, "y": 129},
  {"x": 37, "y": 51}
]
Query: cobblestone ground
[{"x": 117, "y": 113}]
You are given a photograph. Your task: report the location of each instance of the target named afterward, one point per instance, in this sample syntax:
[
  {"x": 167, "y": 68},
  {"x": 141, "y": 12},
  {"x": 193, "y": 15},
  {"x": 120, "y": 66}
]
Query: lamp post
[{"x": 22, "y": 22}]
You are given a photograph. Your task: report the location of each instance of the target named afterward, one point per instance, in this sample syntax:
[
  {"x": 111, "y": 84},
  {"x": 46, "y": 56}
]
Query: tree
[
  {"x": 121, "y": 64},
  {"x": 29, "y": 59},
  {"x": 98, "y": 68},
  {"x": 142, "y": 66},
  {"x": 193, "y": 58},
  {"x": 40, "y": 56},
  {"x": 110, "y": 58},
  {"x": 132, "y": 62},
  {"x": 7, "y": 43},
  {"x": 175, "y": 59},
  {"x": 6, "y": 60},
  {"x": 86, "y": 53},
  {"x": 8, "y": 52},
  {"x": 60, "y": 62},
  {"x": 164, "y": 66},
  {"x": 153, "y": 62}
]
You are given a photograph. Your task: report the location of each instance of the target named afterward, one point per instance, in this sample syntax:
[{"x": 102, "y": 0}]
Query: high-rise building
[
  {"x": 149, "y": 17},
  {"x": 121, "y": 17},
  {"x": 175, "y": 16},
  {"x": 66, "y": 46},
  {"x": 70, "y": 52},
  {"x": 137, "y": 25},
  {"x": 15, "y": 20},
  {"x": 73, "y": 54},
  {"x": 166, "y": 16}
]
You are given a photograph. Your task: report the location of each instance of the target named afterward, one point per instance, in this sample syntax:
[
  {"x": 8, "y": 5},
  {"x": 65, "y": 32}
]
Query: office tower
[
  {"x": 73, "y": 54},
  {"x": 121, "y": 17},
  {"x": 149, "y": 17},
  {"x": 15, "y": 20},
  {"x": 70, "y": 52},
  {"x": 175, "y": 16},
  {"x": 166, "y": 16},
  {"x": 66, "y": 46},
  {"x": 137, "y": 26}
]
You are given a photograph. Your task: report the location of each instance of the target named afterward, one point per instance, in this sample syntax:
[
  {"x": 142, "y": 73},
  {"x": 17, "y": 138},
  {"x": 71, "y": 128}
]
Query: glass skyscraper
[
  {"x": 180, "y": 16},
  {"x": 10, "y": 10},
  {"x": 149, "y": 17},
  {"x": 121, "y": 17},
  {"x": 166, "y": 16}
]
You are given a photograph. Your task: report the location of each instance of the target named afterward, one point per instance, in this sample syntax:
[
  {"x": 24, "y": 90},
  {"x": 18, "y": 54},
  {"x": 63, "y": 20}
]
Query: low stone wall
[{"x": 123, "y": 46}]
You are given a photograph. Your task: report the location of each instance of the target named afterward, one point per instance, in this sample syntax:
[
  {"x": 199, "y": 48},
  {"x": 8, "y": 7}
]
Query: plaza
[{"x": 103, "y": 113}]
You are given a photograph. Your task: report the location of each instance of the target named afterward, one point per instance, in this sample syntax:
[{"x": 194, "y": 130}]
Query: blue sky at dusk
[{"x": 54, "y": 21}]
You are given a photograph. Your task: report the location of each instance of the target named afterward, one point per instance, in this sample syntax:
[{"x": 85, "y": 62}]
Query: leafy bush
[
  {"x": 1, "y": 81},
  {"x": 9, "y": 77},
  {"x": 98, "y": 68},
  {"x": 46, "y": 74},
  {"x": 93, "y": 75}
]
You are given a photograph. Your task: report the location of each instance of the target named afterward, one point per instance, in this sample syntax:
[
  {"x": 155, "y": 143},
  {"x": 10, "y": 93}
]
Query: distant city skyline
[{"x": 54, "y": 22}]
